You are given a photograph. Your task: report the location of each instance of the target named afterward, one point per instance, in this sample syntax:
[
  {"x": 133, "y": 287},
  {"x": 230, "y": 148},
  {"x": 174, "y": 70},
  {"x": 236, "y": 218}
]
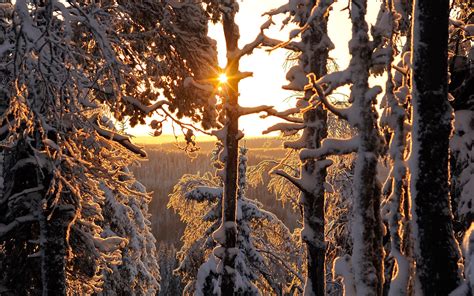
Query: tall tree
[
  {"x": 62, "y": 64},
  {"x": 365, "y": 264},
  {"x": 436, "y": 249},
  {"x": 268, "y": 256},
  {"x": 395, "y": 210},
  {"x": 313, "y": 55}
]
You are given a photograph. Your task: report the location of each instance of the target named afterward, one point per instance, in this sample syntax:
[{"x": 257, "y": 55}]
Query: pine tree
[
  {"x": 436, "y": 249},
  {"x": 313, "y": 55},
  {"x": 264, "y": 261},
  {"x": 364, "y": 267}
]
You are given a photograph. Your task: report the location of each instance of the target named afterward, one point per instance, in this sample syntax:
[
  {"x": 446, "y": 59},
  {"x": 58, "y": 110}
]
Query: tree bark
[
  {"x": 436, "y": 250},
  {"x": 53, "y": 231},
  {"x": 229, "y": 205}
]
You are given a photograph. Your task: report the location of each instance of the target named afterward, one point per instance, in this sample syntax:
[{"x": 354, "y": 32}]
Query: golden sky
[{"x": 264, "y": 88}]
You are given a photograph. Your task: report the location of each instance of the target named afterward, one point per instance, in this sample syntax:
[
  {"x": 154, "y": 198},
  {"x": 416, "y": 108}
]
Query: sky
[{"x": 265, "y": 87}]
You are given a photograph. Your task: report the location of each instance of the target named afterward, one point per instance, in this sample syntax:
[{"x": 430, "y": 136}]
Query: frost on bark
[{"x": 436, "y": 250}]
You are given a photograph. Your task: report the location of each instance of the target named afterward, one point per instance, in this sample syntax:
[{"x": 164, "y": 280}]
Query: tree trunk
[
  {"x": 367, "y": 255},
  {"x": 315, "y": 61},
  {"x": 436, "y": 250},
  {"x": 53, "y": 231},
  {"x": 229, "y": 204}
]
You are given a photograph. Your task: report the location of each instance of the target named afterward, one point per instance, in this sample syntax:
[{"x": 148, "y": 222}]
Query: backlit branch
[{"x": 121, "y": 139}]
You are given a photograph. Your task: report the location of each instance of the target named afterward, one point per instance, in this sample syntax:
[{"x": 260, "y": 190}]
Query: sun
[{"x": 222, "y": 78}]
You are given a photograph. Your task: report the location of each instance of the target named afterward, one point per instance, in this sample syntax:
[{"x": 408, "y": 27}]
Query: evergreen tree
[
  {"x": 436, "y": 250},
  {"x": 313, "y": 56},
  {"x": 265, "y": 262}
]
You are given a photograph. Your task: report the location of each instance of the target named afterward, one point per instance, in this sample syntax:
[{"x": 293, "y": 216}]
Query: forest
[{"x": 360, "y": 183}]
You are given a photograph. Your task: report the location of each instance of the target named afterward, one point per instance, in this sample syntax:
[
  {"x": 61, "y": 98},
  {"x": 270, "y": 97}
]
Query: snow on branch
[
  {"x": 332, "y": 146},
  {"x": 285, "y": 127},
  {"x": 317, "y": 12},
  {"x": 6, "y": 228},
  {"x": 335, "y": 80},
  {"x": 284, "y": 114},
  {"x": 252, "y": 110},
  {"x": 121, "y": 139},
  {"x": 282, "y": 9},
  {"x": 144, "y": 108},
  {"x": 342, "y": 113},
  {"x": 204, "y": 193},
  {"x": 298, "y": 182},
  {"x": 189, "y": 81},
  {"x": 21, "y": 193},
  {"x": 249, "y": 47},
  {"x": 275, "y": 43}
]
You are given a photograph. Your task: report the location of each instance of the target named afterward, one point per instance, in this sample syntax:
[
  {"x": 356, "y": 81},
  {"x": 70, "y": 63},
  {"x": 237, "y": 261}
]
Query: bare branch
[
  {"x": 144, "y": 108},
  {"x": 293, "y": 180},
  {"x": 121, "y": 139},
  {"x": 339, "y": 112}
]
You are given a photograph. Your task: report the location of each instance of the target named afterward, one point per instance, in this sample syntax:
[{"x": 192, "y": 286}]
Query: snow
[
  {"x": 202, "y": 193},
  {"x": 343, "y": 267},
  {"x": 285, "y": 127},
  {"x": 399, "y": 283},
  {"x": 332, "y": 146},
  {"x": 206, "y": 270},
  {"x": 297, "y": 77},
  {"x": 468, "y": 252},
  {"x": 109, "y": 244}
]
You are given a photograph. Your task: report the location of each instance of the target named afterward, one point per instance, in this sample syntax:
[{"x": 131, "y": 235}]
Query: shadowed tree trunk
[
  {"x": 54, "y": 223},
  {"x": 231, "y": 32},
  {"x": 436, "y": 250}
]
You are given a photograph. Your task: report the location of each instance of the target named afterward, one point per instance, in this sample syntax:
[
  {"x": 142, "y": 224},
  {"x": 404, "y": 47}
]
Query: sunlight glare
[{"x": 222, "y": 78}]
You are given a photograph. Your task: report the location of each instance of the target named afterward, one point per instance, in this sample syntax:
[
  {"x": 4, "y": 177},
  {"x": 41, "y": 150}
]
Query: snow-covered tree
[
  {"x": 395, "y": 210},
  {"x": 365, "y": 266},
  {"x": 63, "y": 63},
  {"x": 127, "y": 216},
  {"x": 313, "y": 55},
  {"x": 267, "y": 260}
]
